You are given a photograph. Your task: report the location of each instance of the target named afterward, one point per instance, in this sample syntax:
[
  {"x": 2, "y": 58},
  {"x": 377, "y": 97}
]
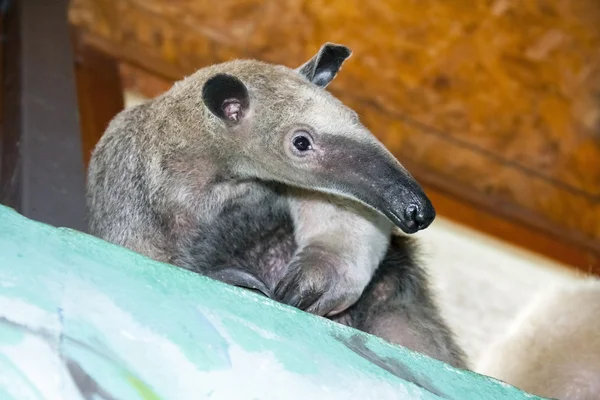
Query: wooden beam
[
  {"x": 99, "y": 92},
  {"x": 42, "y": 174}
]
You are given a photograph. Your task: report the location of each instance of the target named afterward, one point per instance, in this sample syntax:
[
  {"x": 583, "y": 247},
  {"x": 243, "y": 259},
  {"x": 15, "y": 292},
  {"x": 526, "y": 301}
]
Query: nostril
[
  {"x": 411, "y": 214},
  {"x": 417, "y": 216},
  {"x": 420, "y": 216}
]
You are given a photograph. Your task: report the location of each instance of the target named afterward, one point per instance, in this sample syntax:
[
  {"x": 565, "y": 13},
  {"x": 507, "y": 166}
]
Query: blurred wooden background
[{"x": 494, "y": 105}]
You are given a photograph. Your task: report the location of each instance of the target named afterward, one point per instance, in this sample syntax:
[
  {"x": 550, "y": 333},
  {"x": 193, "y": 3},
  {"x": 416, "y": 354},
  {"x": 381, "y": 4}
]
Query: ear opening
[
  {"x": 324, "y": 66},
  {"x": 226, "y": 97}
]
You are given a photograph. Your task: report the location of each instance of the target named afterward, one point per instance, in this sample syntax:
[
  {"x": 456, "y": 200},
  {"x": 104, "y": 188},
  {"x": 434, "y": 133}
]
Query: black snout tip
[{"x": 418, "y": 217}]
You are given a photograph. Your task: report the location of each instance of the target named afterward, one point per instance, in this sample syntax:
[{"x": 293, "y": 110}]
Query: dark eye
[{"x": 302, "y": 143}]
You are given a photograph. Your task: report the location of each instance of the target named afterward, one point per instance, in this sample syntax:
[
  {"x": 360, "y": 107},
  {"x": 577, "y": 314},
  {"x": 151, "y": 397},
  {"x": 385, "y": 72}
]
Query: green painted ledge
[{"x": 81, "y": 318}]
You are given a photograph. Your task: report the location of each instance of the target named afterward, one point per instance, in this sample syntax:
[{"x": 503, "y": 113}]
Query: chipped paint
[{"x": 81, "y": 318}]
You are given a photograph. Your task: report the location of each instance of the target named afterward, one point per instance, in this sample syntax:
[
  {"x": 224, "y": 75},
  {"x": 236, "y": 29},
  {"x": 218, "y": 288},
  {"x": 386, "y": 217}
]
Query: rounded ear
[
  {"x": 226, "y": 97},
  {"x": 324, "y": 66}
]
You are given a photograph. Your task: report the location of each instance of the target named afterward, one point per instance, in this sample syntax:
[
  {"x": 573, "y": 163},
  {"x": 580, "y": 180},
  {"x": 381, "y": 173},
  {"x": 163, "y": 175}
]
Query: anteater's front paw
[{"x": 317, "y": 288}]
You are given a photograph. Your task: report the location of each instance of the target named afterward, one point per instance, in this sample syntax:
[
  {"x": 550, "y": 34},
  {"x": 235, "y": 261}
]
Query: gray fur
[{"x": 205, "y": 177}]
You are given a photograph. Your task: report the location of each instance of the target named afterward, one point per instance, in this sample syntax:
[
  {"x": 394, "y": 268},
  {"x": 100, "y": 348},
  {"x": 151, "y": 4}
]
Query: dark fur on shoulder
[{"x": 259, "y": 236}]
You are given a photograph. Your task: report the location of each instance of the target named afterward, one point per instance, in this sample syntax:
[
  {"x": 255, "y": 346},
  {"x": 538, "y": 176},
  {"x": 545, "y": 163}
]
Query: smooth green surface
[{"x": 79, "y": 315}]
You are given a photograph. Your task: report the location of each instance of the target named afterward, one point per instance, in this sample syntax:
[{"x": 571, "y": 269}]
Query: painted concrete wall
[{"x": 80, "y": 318}]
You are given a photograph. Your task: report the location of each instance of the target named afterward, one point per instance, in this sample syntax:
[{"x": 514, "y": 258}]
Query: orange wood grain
[
  {"x": 99, "y": 93},
  {"x": 496, "y": 103}
]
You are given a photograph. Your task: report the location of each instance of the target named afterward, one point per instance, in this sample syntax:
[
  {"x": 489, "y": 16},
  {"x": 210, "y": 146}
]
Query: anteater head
[{"x": 275, "y": 123}]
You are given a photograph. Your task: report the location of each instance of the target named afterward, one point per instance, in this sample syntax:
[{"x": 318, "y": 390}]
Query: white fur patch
[{"x": 359, "y": 237}]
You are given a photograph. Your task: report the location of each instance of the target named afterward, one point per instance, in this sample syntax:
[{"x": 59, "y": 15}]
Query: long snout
[{"x": 367, "y": 172}]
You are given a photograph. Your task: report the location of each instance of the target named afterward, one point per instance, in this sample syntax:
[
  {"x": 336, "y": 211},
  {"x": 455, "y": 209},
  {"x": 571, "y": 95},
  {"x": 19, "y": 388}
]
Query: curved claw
[
  {"x": 324, "y": 308},
  {"x": 296, "y": 291},
  {"x": 312, "y": 293},
  {"x": 296, "y": 297},
  {"x": 241, "y": 278}
]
